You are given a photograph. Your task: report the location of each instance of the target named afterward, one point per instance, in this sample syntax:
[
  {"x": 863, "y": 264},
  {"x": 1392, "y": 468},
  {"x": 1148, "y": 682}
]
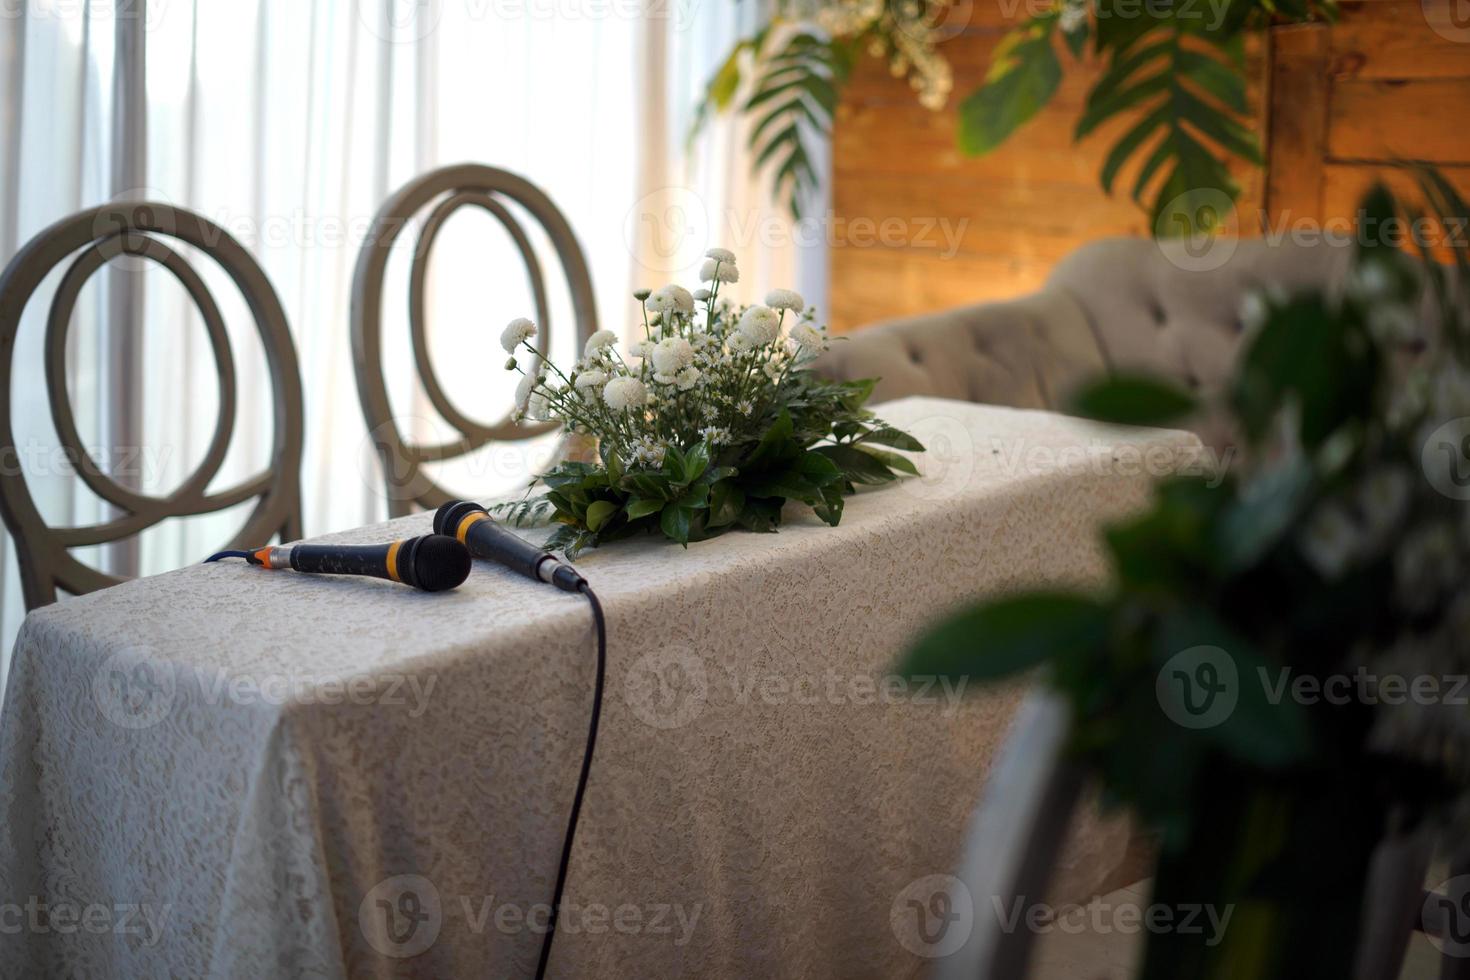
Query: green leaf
[
  {"x": 1007, "y": 636},
  {"x": 889, "y": 436},
  {"x": 696, "y": 461},
  {"x": 725, "y": 504},
  {"x": 818, "y": 468},
  {"x": 787, "y": 484},
  {"x": 1133, "y": 400},
  {"x": 642, "y": 507},
  {"x": 856, "y": 465},
  {"x": 599, "y": 512},
  {"x": 1010, "y": 98},
  {"x": 674, "y": 522},
  {"x": 1256, "y": 730},
  {"x": 891, "y": 460},
  {"x": 775, "y": 445}
]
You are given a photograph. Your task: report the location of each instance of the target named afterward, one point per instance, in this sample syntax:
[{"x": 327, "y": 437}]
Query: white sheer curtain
[{"x": 288, "y": 122}]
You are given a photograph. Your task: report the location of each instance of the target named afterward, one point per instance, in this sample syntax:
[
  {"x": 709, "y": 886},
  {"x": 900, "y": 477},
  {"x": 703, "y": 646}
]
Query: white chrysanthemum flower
[
  {"x": 785, "y": 299},
  {"x": 623, "y": 393},
  {"x": 662, "y": 379},
  {"x": 523, "y": 391},
  {"x": 760, "y": 325},
  {"x": 808, "y": 336},
  {"x": 713, "y": 271},
  {"x": 599, "y": 340},
  {"x": 772, "y": 370},
  {"x": 721, "y": 255},
  {"x": 672, "y": 355},
  {"x": 672, "y": 299},
  {"x": 592, "y": 379},
  {"x": 687, "y": 378},
  {"x": 516, "y": 333},
  {"x": 639, "y": 348},
  {"x": 701, "y": 294},
  {"x": 739, "y": 342}
]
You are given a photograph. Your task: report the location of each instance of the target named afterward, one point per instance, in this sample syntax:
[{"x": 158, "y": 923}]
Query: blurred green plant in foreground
[{"x": 1338, "y": 554}]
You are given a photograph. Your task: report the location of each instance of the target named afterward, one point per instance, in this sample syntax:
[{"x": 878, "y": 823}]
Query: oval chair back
[
  {"x": 448, "y": 190},
  {"x": 142, "y": 230}
]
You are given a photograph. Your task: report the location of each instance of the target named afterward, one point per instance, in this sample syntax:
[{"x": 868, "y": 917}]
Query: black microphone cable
[{"x": 571, "y": 835}]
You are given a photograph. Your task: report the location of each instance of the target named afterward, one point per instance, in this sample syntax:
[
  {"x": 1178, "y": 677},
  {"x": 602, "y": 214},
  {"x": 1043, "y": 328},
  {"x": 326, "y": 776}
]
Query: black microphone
[
  {"x": 432, "y": 563},
  {"x": 472, "y": 524}
]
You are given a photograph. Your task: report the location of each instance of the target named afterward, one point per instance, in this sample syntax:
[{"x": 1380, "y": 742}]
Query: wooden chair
[
  {"x": 98, "y": 236},
  {"x": 448, "y": 190},
  {"x": 1022, "y": 820}
]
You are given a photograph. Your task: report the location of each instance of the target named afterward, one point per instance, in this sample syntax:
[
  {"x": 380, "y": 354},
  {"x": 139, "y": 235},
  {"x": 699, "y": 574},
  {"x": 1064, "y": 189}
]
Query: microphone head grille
[
  {"x": 440, "y": 563},
  {"x": 447, "y": 517}
]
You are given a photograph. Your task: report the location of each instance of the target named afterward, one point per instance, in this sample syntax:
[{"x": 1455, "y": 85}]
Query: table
[{"x": 225, "y": 771}]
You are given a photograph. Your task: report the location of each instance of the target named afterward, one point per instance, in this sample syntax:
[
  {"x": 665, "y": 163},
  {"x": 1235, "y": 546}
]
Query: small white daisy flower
[
  {"x": 599, "y": 340},
  {"x": 624, "y": 393},
  {"x": 785, "y": 299},
  {"x": 516, "y": 333},
  {"x": 760, "y": 325}
]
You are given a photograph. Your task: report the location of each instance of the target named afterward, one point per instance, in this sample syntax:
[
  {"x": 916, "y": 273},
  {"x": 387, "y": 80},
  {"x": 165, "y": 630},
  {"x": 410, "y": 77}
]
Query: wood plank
[
  {"x": 1346, "y": 184},
  {"x": 1400, "y": 39},
  {"x": 1384, "y": 121},
  {"x": 881, "y": 284},
  {"x": 1299, "y": 99}
]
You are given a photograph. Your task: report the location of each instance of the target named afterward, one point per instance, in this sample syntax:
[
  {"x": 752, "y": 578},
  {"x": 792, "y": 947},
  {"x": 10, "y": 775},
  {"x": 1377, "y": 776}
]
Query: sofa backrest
[{"x": 1115, "y": 304}]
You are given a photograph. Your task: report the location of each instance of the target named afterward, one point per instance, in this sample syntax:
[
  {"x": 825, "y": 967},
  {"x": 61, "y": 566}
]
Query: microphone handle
[
  {"x": 488, "y": 540},
  {"x": 374, "y": 560}
]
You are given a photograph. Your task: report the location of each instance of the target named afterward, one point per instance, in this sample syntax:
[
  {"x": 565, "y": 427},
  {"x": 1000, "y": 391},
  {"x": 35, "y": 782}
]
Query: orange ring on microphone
[
  {"x": 470, "y": 520},
  {"x": 393, "y": 561}
]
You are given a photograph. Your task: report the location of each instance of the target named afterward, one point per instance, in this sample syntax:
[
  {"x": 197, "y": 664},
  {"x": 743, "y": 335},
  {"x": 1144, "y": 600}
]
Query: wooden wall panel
[
  {"x": 1013, "y": 213},
  {"x": 1335, "y": 106}
]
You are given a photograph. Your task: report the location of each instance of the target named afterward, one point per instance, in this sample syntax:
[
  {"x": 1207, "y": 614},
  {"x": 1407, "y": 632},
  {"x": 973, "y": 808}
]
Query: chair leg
[
  {"x": 1393, "y": 903},
  {"x": 1456, "y": 967}
]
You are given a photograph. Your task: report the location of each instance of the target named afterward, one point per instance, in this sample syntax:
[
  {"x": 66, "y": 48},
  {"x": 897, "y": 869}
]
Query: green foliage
[
  {"x": 796, "y": 85},
  {"x": 1276, "y": 802},
  {"x": 1174, "y": 67},
  {"x": 815, "y": 450}
]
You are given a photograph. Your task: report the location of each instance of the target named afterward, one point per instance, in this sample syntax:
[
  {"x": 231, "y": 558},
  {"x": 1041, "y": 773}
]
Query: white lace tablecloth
[{"x": 230, "y": 772}]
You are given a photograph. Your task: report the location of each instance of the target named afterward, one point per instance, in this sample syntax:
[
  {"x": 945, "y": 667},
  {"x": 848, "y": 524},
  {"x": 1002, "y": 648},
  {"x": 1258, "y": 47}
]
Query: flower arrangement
[
  {"x": 1236, "y": 683},
  {"x": 712, "y": 421}
]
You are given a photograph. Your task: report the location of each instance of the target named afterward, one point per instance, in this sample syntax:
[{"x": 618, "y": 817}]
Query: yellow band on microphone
[
  {"x": 469, "y": 521},
  {"x": 393, "y": 561}
]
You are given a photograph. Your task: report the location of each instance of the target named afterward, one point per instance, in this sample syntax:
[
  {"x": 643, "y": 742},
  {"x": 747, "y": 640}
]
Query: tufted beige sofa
[{"x": 1114, "y": 304}]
